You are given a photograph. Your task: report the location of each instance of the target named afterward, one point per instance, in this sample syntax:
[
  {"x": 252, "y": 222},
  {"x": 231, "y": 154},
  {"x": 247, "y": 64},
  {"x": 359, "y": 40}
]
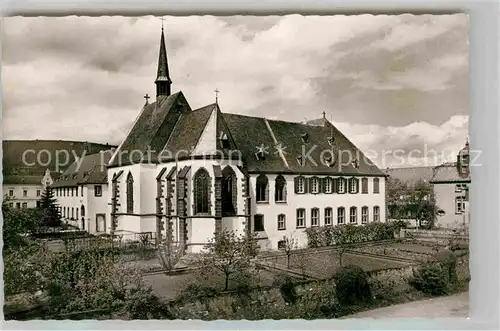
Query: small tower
[
  {"x": 163, "y": 81},
  {"x": 463, "y": 159}
]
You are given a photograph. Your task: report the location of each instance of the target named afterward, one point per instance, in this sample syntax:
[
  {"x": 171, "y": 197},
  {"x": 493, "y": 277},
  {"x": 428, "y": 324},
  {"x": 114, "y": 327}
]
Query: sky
[{"x": 389, "y": 83}]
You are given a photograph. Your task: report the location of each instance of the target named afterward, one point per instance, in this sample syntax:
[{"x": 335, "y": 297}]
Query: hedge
[{"x": 350, "y": 233}]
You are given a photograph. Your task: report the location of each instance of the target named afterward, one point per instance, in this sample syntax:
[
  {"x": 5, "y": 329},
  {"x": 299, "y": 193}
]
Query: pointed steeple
[{"x": 163, "y": 81}]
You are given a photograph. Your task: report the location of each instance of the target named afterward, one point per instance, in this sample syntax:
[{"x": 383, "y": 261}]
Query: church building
[{"x": 184, "y": 173}]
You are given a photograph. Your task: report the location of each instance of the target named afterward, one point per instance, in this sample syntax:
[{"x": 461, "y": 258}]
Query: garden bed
[{"x": 326, "y": 262}]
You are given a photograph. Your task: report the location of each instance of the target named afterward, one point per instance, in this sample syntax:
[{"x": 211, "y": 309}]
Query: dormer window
[
  {"x": 329, "y": 160},
  {"x": 224, "y": 141},
  {"x": 300, "y": 160},
  {"x": 355, "y": 164},
  {"x": 305, "y": 138},
  {"x": 260, "y": 155},
  {"x": 331, "y": 141}
]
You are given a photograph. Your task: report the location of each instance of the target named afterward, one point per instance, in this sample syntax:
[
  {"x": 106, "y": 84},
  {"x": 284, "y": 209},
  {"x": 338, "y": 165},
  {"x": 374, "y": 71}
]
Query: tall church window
[
  {"x": 229, "y": 192},
  {"x": 280, "y": 189},
  {"x": 130, "y": 193},
  {"x": 262, "y": 189},
  {"x": 201, "y": 191}
]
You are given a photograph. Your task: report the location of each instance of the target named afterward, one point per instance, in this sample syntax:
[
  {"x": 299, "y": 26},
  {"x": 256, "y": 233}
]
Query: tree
[
  {"x": 289, "y": 244},
  {"x": 343, "y": 237},
  {"x": 49, "y": 208},
  {"x": 229, "y": 254},
  {"x": 169, "y": 255},
  {"x": 17, "y": 225},
  {"x": 415, "y": 201}
]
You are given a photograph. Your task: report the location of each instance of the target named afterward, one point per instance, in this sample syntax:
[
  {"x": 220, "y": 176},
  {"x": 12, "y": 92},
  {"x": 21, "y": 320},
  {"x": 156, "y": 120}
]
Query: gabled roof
[
  {"x": 188, "y": 130},
  {"x": 251, "y": 132},
  {"x": 91, "y": 169},
  {"x": 448, "y": 173},
  {"x": 22, "y": 180},
  {"x": 411, "y": 175},
  {"x": 151, "y": 129},
  {"x": 13, "y": 150}
]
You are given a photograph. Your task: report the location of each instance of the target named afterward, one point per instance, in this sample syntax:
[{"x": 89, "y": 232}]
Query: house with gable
[{"x": 186, "y": 173}]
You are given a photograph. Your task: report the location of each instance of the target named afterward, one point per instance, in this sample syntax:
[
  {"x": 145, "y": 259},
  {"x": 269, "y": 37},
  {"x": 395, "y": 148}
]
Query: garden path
[{"x": 456, "y": 305}]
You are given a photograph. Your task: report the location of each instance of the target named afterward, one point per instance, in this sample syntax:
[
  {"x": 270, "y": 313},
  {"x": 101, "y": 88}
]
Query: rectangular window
[
  {"x": 459, "y": 205},
  {"x": 341, "y": 185},
  {"x": 458, "y": 188},
  {"x": 11, "y": 193},
  {"x": 281, "y": 222},
  {"x": 301, "y": 218},
  {"x": 340, "y": 215},
  {"x": 25, "y": 193},
  {"x": 328, "y": 216},
  {"x": 328, "y": 185},
  {"x": 314, "y": 185},
  {"x": 81, "y": 191},
  {"x": 352, "y": 185},
  {"x": 353, "y": 215},
  {"x": 376, "y": 185},
  {"x": 38, "y": 193},
  {"x": 364, "y": 185},
  {"x": 364, "y": 215},
  {"x": 258, "y": 223},
  {"x": 18, "y": 205},
  {"x": 97, "y": 190},
  {"x": 300, "y": 185},
  {"x": 376, "y": 213},
  {"x": 25, "y": 205},
  {"x": 315, "y": 217}
]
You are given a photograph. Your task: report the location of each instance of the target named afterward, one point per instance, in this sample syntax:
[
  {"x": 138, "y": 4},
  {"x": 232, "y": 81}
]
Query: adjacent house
[{"x": 82, "y": 193}]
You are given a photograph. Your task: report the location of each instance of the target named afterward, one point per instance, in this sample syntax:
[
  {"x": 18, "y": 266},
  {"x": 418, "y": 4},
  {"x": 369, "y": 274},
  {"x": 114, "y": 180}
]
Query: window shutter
[
  {"x": 357, "y": 185},
  {"x": 320, "y": 185},
  {"x": 307, "y": 185},
  {"x": 335, "y": 183},
  {"x": 296, "y": 184}
]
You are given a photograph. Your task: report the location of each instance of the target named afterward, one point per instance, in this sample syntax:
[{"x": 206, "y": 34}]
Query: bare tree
[
  {"x": 169, "y": 255},
  {"x": 289, "y": 245},
  {"x": 343, "y": 237}
]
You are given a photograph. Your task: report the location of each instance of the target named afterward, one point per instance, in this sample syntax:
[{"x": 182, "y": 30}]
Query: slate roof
[
  {"x": 411, "y": 175},
  {"x": 26, "y": 180},
  {"x": 249, "y": 132},
  {"x": 188, "y": 129},
  {"x": 151, "y": 129},
  {"x": 89, "y": 170},
  {"x": 448, "y": 173},
  {"x": 17, "y": 171}
]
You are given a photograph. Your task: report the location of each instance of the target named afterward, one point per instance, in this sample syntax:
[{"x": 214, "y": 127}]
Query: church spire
[{"x": 163, "y": 81}]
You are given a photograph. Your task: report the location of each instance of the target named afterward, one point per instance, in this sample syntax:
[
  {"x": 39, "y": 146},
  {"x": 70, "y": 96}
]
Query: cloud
[{"x": 85, "y": 78}]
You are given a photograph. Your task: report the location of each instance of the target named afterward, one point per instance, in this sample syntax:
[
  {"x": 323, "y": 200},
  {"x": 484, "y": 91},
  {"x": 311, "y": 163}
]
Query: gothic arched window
[
  {"x": 280, "y": 189},
  {"x": 201, "y": 192},
  {"x": 130, "y": 193},
  {"x": 262, "y": 192},
  {"x": 229, "y": 192}
]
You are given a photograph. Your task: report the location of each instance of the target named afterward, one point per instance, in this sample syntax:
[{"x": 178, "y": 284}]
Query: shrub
[
  {"x": 287, "y": 289},
  {"x": 430, "y": 279},
  {"x": 352, "y": 285},
  {"x": 375, "y": 231}
]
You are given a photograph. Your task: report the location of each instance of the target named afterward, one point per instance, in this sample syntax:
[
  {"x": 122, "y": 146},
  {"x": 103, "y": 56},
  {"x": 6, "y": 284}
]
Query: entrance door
[{"x": 100, "y": 222}]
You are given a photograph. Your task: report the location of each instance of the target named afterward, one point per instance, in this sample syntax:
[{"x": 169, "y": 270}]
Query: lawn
[
  {"x": 171, "y": 286},
  {"x": 325, "y": 263}
]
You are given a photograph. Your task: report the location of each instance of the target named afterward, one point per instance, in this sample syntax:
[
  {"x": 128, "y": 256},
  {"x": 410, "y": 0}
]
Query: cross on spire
[
  {"x": 147, "y": 98},
  {"x": 216, "y": 95},
  {"x": 324, "y": 114}
]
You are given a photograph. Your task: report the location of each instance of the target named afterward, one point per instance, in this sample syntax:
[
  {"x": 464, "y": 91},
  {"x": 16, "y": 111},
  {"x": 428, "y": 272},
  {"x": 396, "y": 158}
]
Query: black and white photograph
[{"x": 236, "y": 167}]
